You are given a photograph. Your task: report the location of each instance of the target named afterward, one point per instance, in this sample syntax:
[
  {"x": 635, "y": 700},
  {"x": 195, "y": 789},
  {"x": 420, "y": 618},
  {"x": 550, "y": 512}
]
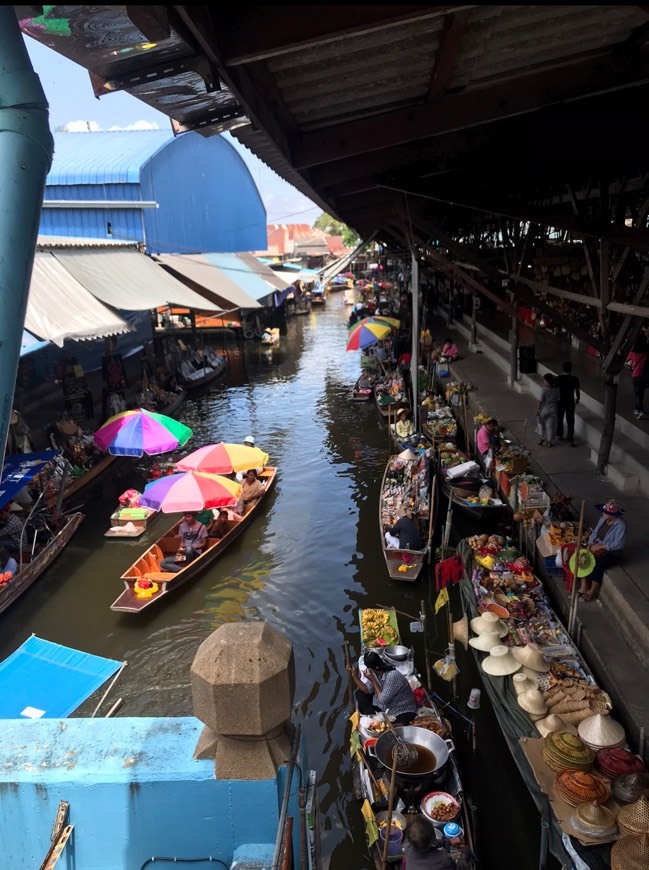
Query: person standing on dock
[
  {"x": 569, "y": 396},
  {"x": 637, "y": 362},
  {"x": 547, "y": 411}
]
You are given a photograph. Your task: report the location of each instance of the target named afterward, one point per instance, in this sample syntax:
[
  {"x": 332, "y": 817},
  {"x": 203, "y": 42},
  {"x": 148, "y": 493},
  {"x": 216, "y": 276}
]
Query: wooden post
[
  {"x": 467, "y": 438},
  {"x": 513, "y": 342},
  {"x": 393, "y": 777},
  {"x": 608, "y": 429},
  {"x": 572, "y": 613},
  {"x": 429, "y": 678}
]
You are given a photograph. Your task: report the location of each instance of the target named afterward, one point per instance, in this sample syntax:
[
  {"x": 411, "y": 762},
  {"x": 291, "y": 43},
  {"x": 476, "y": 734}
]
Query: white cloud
[{"x": 93, "y": 126}]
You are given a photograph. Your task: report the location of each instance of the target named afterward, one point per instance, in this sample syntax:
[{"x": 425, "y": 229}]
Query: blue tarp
[
  {"x": 19, "y": 470},
  {"x": 44, "y": 680}
]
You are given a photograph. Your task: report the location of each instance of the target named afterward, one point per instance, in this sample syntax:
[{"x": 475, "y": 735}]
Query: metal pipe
[
  {"x": 303, "y": 841},
  {"x": 414, "y": 361},
  {"x": 543, "y": 848},
  {"x": 287, "y": 792},
  {"x": 112, "y": 683},
  {"x": 26, "y": 148},
  {"x": 99, "y": 203}
]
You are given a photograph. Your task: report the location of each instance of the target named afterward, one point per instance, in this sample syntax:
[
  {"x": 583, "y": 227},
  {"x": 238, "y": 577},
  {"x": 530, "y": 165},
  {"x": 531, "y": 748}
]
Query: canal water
[{"x": 306, "y": 566}]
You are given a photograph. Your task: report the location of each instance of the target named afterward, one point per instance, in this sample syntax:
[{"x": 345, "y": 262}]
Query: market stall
[{"x": 405, "y": 491}]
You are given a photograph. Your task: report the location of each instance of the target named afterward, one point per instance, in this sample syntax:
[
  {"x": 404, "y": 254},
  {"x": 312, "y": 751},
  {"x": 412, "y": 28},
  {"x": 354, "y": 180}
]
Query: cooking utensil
[
  {"x": 406, "y": 754},
  {"x": 432, "y": 761},
  {"x": 396, "y": 653}
]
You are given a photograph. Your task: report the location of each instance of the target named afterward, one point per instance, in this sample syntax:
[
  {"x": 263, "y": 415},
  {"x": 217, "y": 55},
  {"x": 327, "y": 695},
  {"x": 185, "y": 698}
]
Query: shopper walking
[
  {"x": 569, "y": 396},
  {"x": 547, "y": 411},
  {"x": 637, "y": 363}
]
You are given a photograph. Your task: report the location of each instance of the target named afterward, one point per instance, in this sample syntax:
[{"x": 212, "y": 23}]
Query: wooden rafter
[{"x": 447, "y": 52}]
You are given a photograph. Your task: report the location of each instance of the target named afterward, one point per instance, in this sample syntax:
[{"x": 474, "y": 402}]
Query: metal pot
[
  {"x": 396, "y": 653},
  {"x": 418, "y": 737}
]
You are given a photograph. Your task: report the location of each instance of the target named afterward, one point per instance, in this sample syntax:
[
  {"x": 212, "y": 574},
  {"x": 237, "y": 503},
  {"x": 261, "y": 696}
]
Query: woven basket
[
  {"x": 631, "y": 853},
  {"x": 634, "y": 818},
  {"x": 578, "y": 716}
]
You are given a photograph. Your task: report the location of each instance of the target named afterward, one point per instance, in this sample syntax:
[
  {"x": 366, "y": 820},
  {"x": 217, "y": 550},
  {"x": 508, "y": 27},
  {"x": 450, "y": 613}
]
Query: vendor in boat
[
  {"x": 194, "y": 539},
  {"x": 404, "y": 535},
  {"x": 381, "y": 688},
  {"x": 11, "y": 529},
  {"x": 488, "y": 438},
  {"x": 404, "y": 427},
  {"x": 252, "y": 490},
  {"x": 364, "y": 384},
  {"x": 423, "y": 851}
]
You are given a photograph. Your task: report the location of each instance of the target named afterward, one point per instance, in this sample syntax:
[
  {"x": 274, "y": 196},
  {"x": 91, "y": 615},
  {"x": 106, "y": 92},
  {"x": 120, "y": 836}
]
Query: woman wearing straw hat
[
  {"x": 606, "y": 543},
  {"x": 404, "y": 426}
]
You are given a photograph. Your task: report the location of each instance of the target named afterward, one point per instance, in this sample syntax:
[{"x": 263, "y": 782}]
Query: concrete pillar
[{"x": 242, "y": 689}]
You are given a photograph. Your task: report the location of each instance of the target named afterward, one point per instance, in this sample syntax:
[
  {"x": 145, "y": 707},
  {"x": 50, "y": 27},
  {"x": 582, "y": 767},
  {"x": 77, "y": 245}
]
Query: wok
[{"x": 419, "y": 737}]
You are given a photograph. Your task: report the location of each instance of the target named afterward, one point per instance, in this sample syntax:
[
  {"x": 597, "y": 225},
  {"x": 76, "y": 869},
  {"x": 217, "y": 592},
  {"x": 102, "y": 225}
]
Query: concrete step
[{"x": 627, "y": 468}]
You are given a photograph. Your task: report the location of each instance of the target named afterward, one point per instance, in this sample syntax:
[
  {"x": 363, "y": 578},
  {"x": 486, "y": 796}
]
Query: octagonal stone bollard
[{"x": 242, "y": 689}]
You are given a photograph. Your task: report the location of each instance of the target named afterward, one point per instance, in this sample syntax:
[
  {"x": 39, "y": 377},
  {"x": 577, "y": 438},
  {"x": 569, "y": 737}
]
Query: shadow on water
[{"x": 305, "y": 565}]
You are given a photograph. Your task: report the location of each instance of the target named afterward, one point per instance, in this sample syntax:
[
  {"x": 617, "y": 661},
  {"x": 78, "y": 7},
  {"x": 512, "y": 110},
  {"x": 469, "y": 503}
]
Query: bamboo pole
[
  {"x": 388, "y": 827},
  {"x": 575, "y": 582},
  {"x": 431, "y": 520},
  {"x": 350, "y": 681},
  {"x": 451, "y": 641},
  {"x": 467, "y": 439},
  {"x": 429, "y": 678}
]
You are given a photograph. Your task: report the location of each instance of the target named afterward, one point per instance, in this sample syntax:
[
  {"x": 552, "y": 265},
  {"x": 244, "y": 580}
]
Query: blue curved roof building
[{"x": 176, "y": 195}]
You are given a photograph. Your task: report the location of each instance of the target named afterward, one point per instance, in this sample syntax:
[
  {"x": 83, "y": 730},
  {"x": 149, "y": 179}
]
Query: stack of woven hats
[
  {"x": 578, "y": 787},
  {"x": 594, "y": 821},
  {"x": 576, "y": 701},
  {"x": 564, "y": 751}
]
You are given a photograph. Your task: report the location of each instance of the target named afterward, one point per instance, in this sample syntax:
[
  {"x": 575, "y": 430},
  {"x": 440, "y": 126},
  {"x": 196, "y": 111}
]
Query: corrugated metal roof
[
  {"x": 104, "y": 158},
  {"x": 197, "y": 269},
  {"x": 45, "y": 242},
  {"x": 243, "y": 274}
]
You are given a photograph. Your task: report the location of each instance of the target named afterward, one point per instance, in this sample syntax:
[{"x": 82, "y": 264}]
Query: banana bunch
[{"x": 377, "y": 630}]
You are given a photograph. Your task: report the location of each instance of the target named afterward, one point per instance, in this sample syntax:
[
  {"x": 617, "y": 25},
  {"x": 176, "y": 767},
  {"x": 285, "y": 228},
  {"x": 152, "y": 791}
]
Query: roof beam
[
  {"x": 263, "y": 32},
  {"x": 447, "y": 52},
  {"x": 517, "y": 96}
]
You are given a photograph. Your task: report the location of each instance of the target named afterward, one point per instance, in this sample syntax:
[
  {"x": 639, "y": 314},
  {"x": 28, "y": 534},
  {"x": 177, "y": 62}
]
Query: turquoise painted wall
[{"x": 134, "y": 792}]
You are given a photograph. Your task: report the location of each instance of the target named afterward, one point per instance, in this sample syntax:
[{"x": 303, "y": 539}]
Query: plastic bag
[
  {"x": 538, "y": 428},
  {"x": 446, "y": 667}
]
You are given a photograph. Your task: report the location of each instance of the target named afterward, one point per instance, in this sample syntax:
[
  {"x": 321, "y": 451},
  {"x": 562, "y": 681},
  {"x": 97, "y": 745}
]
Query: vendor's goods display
[
  {"x": 485, "y": 641},
  {"x": 553, "y": 723},
  {"x": 488, "y": 623},
  {"x": 600, "y": 731},
  {"x": 523, "y": 683},
  {"x": 531, "y": 656},
  {"x": 631, "y": 853},
  {"x": 634, "y": 818},
  {"x": 563, "y": 751},
  {"x": 617, "y": 762},
  {"x": 500, "y": 662},
  {"x": 594, "y": 821},
  {"x": 377, "y": 630},
  {"x": 628, "y": 788},
  {"x": 578, "y": 787},
  {"x": 533, "y": 704}
]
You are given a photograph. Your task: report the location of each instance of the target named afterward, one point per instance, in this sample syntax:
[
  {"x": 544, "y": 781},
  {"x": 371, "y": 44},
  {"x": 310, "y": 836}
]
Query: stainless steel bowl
[{"x": 396, "y": 653}]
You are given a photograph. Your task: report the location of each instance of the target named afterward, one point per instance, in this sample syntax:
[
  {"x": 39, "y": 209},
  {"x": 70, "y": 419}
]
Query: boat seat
[
  {"x": 157, "y": 552},
  {"x": 160, "y": 576}
]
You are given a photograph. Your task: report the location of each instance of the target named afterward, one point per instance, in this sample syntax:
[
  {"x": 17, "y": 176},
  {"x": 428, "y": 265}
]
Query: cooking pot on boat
[
  {"x": 396, "y": 653},
  {"x": 432, "y": 751}
]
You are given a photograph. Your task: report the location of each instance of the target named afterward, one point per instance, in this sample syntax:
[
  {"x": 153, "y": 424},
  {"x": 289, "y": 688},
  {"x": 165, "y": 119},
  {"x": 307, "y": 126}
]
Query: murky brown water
[{"x": 306, "y": 565}]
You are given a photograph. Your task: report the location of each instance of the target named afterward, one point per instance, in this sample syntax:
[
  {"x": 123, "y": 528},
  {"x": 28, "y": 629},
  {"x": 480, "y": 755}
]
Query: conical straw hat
[
  {"x": 522, "y": 683},
  {"x": 630, "y": 853},
  {"x": 634, "y": 818},
  {"x": 531, "y": 656},
  {"x": 600, "y": 730},
  {"x": 488, "y": 622},
  {"x": 461, "y": 631},
  {"x": 486, "y": 641},
  {"x": 553, "y": 723},
  {"x": 532, "y": 702},
  {"x": 595, "y": 815},
  {"x": 407, "y": 455},
  {"x": 500, "y": 662}
]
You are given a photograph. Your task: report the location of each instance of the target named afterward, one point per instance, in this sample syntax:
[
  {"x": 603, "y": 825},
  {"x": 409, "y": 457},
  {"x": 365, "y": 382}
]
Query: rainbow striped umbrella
[
  {"x": 377, "y": 318},
  {"x": 190, "y": 491},
  {"x": 133, "y": 433},
  {"x": 223, "y": 459},
  {"x": 365, "y": 334}
]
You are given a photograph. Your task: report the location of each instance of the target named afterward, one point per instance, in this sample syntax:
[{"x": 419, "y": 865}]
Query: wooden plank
[{"x": 449, "y": 48}]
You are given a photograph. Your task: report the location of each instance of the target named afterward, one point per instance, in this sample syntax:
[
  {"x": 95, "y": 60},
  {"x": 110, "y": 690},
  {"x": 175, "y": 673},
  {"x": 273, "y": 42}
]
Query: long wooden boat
[
  {"x": 370, "y": 778},
  {"x": 359, "y": 395},
  {"x": 319, "y": 297},
  {"x": 208, "y": 374},
  {"x": 33, "y": 566},
  {"x": 148, "y": 564},
  {"x": 395, "y": 558},
  {"x": 464, "y": 494},
  {"x": 419, "y": 444}
]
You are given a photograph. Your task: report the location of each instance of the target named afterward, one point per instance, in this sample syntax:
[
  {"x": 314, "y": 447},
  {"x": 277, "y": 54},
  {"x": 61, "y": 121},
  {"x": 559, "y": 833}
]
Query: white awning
[
  {"x": 59, "y": 307},
  {"x": 195, "y": 268},
  {"x": 130, "y": 281},
  {"x": 336, "y": 268},
  {"x": 280, "y": 282}
]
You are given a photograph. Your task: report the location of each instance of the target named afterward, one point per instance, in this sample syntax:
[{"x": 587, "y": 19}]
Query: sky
[{"x": 69, "y": 93}]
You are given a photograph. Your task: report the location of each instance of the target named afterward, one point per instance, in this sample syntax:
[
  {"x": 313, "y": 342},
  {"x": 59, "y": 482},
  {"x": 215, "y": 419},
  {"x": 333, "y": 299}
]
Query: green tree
[{"x": 333, "y": 227}]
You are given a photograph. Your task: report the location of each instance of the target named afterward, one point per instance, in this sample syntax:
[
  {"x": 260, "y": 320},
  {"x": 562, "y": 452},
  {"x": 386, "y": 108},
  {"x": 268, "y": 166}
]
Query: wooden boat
[
  {"x": 148, "y": 564},
  {"x": 370, "y": 777},
  {"x": 270, "y": 337},
  {"x": 128, "y": 522},
  {"x": 359, "y": 395},
  {"x": 203, "y": 376},
  {"x": 303, "y": 305},
  {"x": 395, "y": 558},
  {"x": 318, "y": 296},
  {"x": 33, "y": 565},
  {"x": 418, "y": 443},
  {"x": 465, "y": 488}
]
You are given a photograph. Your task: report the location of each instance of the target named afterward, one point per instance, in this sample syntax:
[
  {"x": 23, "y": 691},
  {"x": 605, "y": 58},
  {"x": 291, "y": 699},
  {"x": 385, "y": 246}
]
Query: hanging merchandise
[{"x": 446, "y": 668}]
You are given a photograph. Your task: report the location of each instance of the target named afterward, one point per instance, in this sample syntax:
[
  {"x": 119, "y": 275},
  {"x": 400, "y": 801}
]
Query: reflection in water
[{"x": 305, "y": 565}]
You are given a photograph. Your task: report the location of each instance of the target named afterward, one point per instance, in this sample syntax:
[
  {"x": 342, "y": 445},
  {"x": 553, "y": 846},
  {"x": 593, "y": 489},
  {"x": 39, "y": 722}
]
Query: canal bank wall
[{"x": 612, "y": 630}]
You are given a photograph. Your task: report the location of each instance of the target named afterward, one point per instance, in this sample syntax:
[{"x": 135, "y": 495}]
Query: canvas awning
[
  {"x": 197, "y": 269},
  {"x": 279, "y": 282},
  {"x": 45, "y": 680},
  {"x": 130, "y": 281},
  {"x": 242, "y": 274},
  {"x": 59, "y": 307},
  {"x": 340, "y": 265}
]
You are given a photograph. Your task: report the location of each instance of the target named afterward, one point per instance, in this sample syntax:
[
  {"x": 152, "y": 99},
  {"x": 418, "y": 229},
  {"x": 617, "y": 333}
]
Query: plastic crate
[{"x": 550, "y": 567}]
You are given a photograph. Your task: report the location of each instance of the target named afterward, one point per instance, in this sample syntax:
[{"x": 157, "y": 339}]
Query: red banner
[{"x": 451, "y": 570}]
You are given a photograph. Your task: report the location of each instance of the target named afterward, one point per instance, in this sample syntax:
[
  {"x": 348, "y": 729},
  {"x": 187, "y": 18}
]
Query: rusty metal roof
[{"x": 352, "y": 104}]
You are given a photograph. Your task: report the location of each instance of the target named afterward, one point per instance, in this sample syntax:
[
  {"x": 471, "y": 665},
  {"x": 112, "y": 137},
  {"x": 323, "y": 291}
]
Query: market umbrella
[
  {"x": 223, "y": 459},
  {"x": 190, "y": 491},
  {"x": 365, "y": 334},
  {"x": 375, "y": 318},
  {"x": 132, "y": 433}
]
